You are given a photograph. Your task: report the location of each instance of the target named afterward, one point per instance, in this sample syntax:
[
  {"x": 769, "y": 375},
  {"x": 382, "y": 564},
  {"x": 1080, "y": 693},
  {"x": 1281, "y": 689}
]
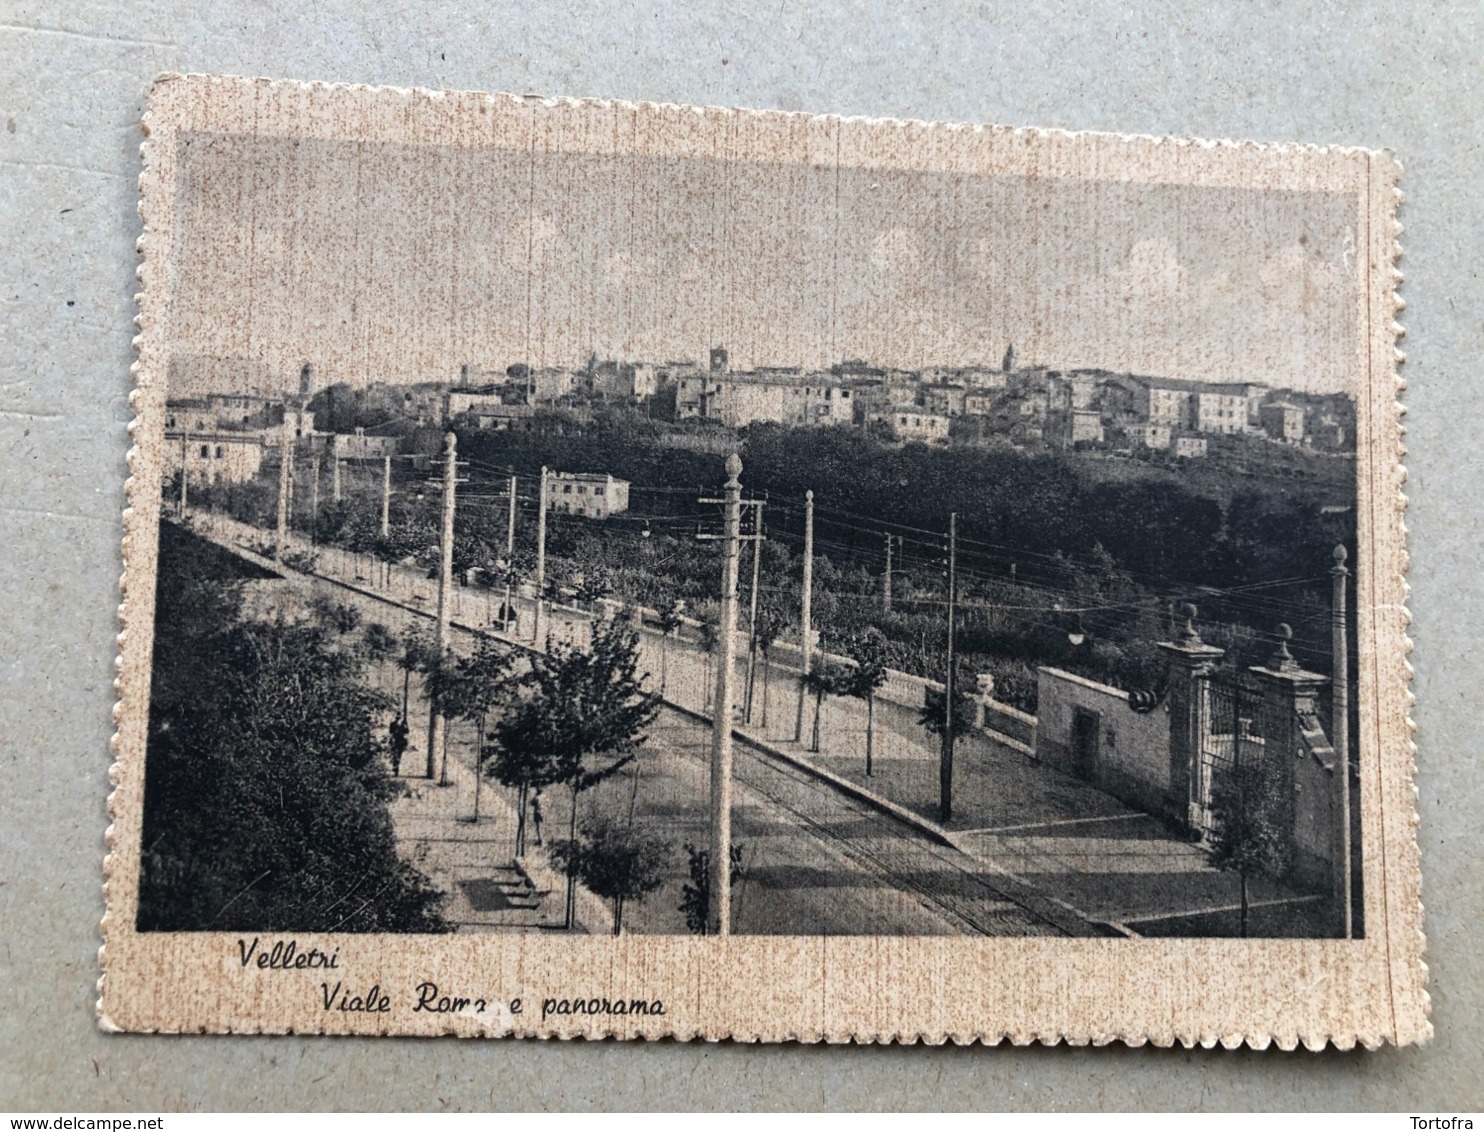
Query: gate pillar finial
[{"x": 1190, "y": 661}]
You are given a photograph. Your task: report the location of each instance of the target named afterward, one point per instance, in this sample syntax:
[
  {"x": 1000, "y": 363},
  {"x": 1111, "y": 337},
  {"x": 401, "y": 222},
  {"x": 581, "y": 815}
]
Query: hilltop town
[{"x": 1093, "y": 412}]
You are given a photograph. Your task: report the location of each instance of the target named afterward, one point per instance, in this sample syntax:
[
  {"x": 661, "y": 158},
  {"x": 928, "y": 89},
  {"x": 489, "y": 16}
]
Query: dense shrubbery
[{"x": 265, "y": 783}]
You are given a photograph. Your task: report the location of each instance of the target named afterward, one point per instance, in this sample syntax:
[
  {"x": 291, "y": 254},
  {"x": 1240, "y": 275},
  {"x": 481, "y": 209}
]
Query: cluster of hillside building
[
  {"x": 229, "y": 435},
  {"x": 1028, "y": 406}
]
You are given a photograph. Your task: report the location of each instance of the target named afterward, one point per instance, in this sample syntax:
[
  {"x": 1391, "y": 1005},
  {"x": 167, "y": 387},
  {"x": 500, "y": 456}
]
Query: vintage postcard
[{"x": 631, "y": 570}]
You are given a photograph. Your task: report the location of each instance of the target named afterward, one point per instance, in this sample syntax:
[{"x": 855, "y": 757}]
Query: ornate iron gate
[{"x": 1231, "y": 730}]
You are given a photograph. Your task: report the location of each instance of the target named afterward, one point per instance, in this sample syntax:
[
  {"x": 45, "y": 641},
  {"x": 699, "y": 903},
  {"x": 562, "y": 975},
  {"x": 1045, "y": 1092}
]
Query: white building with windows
[
  {"x": 213, "y": 457},
  {"x": 190, "y": 415},
  {"x": 360, "y": 445},
  {"x": 460, "y": 403},
  {"x": 1085, "y": 426},
  {"x": 1221, "y": 410},
  {"x": 777, "y": 396},
  {"x": 1210, "y": 408},
  {"x": 695, "y": 393},
  {"x": 1150, "y": 435},
  {"x": 1283, "y": 421},
  {"x": 914, "y": 424},
  {"x": 589, "y": 494}
]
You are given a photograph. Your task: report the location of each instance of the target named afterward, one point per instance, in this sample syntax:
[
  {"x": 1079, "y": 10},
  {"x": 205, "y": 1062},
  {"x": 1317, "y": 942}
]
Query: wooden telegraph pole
[
  {"x": 945, "y": 761},
  {"x": 335, "y": 477},
  {"x": 757, "y": 552},
  {"x": 386, "y": 496},
  {"x": 538, "y": 638},
  {"x": 509, "y": 560},
  {"x": 886, "y": 580},
  {"x": 314, "y": 503},
  {"x": 436, "y": 723},
  {"x": 719, "y": 911},
  {"x": 1340, "y": 725},
  {"x": 806, "y": 633},
  {"x": 285, "y": 483},
  {"x": 185, "y": 445}
]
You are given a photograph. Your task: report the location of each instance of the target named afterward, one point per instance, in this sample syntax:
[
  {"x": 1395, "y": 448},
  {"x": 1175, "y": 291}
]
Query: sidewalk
[{"x": 474, "y": 862}]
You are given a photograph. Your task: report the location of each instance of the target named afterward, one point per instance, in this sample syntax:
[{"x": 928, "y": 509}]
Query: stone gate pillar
[
  {"x": 1190, "y": 661},
  {"x": 1297, "y": 752}
]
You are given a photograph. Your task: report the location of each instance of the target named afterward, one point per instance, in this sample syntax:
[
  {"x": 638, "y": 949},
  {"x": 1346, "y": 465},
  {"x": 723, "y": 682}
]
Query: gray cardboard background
[{"x": 73, "y": 78}]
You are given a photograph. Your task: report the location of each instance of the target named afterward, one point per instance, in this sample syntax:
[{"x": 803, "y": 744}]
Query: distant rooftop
[
  {"x": 793, "y": 378},
  {"x": 585, "y": 477},
  {"x": 1230, "y": 388}
]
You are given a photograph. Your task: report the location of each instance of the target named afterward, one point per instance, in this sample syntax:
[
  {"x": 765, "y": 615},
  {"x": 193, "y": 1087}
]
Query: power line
[
  {"x": 932, "y": 541},
  {"x": 1002, "y": 552},
  {"x": 1174, "y": 590},
  {"x": 856, "y": 546}
]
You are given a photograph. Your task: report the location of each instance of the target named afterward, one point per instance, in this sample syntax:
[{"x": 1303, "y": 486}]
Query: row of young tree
[{"x": 568, "y": 719}]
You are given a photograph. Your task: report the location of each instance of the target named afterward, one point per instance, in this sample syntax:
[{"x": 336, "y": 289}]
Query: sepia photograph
[
  {"x": 623, "y": 526},
  {"x": 485, "y": 610}
]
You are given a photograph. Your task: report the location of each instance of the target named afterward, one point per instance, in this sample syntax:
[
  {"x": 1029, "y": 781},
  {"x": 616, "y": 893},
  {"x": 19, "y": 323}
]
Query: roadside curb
[{"x": 923, "y": 825}]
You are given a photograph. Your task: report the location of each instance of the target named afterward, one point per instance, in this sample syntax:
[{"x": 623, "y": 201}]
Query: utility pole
[
  {"x": 886, "y": 580},
  {"x": 945, "y": 762},
  {"x": 510, "y": 560},
  {"x": 185, "y": 445},
  {"x": 314, "y": 503},
  {"x": 335, "y": 478},
  {"x": 386, "y": 497},
  {"x": 757, "y": 552},
  {"x": 806, "y": 609},
  {"x": 719, "y": 915},
  {"x": 436, "y": 722},
  {"x": 1340, "y": 725},
  {"x": 285, "y": 481},
  {"x": 540, "y": 621}
]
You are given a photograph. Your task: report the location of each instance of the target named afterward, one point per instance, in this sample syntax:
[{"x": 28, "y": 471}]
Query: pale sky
[{"x": 401, "y": 263}]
